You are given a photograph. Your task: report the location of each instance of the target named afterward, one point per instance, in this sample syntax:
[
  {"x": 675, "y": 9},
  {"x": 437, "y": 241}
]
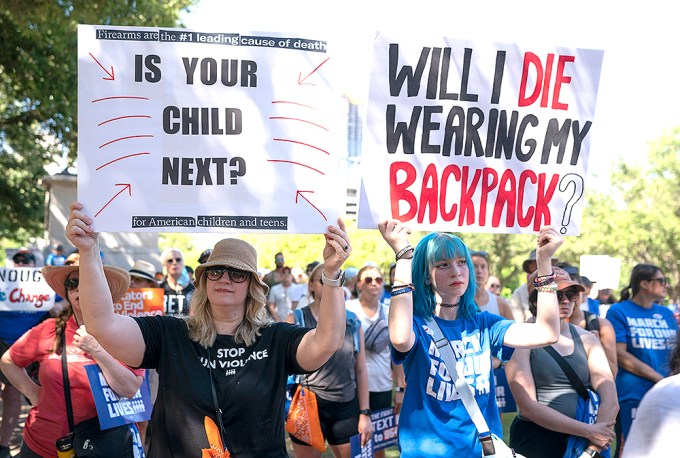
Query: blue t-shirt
[
  {"x": 649, "y": 335},
  {"x": 433, "y": 420},
  {"x": 13, "y": 324}
]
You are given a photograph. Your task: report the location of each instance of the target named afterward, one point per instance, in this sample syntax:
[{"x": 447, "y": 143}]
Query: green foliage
[{"x": 38, "y": 92}]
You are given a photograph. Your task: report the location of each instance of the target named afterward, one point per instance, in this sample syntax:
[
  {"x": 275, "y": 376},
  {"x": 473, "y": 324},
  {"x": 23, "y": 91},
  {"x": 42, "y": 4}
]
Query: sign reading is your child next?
[
  {"x": 482, "y": 137},
  {"x": 182, "y": 130}
]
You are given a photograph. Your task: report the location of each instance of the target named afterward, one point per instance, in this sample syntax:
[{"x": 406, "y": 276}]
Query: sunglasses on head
[
  {"x": 570, "y": 294},
  {"x": 173, "y": 260},
  {"x": 71, "y": 283},
  {"x": 235, "y": 275},
  {"x": 483, "y": 254},
  {"x": 369, "y": 280}
]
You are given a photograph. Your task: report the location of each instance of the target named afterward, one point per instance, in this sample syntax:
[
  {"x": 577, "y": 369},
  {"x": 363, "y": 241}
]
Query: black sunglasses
[
  {"x": 570, "y": 294},
  {"x": 71, "y": 283},
  {"x": 369, "y": 280},
  {"x": 235, "y": 275},
  {"x": 173, "y": 260},
  {"x": 663, "y": 281}
]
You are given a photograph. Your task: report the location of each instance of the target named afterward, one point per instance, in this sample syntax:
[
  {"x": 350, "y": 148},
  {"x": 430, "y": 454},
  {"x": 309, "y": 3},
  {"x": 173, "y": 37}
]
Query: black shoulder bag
[{"x": 89, "y": 440}]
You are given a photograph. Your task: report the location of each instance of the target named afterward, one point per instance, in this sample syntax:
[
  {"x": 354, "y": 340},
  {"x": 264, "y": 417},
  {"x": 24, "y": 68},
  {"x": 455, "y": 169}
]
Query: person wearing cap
[
  {"x": 12, "y": 325},
  {"x": 56, "y": 256},
  {"x": 47, "y": 419},
  {"x": 223, "y": 369},
  {"x": 588, "y": 303},
  {"x": 546, "y": 398},
  {"x": 203, "y": 258},
  {"x": 435, "y": 286}
]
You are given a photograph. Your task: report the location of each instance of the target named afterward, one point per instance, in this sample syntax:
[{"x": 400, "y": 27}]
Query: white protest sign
[
  {"x": 180, "y": 130},
  {"x": 24, "y": 289},
  {"x": 472, "y": 136}
]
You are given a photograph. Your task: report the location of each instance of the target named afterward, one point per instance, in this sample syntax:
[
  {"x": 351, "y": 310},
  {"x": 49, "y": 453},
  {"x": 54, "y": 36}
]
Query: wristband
[
  {"x": 399, "y": 389},
  {"x": 402, "y": 290},
  {"x": 544, "y": 280},
  {"x": 365, "y": 412},
  {"x": 403, "y": 251}
]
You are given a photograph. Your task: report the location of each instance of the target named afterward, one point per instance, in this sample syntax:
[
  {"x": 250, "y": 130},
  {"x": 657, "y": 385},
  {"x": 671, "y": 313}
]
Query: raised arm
[
  {"x": 320, "y": 343},
  {"x": 400, "y": 319},
  {"x": 546, "y": 329},
  {"x": 118, "y": 334}
]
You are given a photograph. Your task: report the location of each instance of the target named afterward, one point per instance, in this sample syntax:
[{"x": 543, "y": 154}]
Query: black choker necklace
[{"x": 448, "y": 306}]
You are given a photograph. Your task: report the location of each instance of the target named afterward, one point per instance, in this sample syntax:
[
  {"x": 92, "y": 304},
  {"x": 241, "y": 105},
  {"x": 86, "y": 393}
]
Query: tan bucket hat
[
  {"x": 118, "y": 279},
  {"x": 234, "y": 253},
  {"x": 145, "y": 270}
]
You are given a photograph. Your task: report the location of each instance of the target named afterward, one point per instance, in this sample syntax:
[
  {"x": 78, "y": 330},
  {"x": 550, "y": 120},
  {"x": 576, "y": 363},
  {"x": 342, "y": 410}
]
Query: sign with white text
[
  {"x": 188, "y": 131},
  {"x": 477, "y": 137},
  {"x": 140, "y": 302}
]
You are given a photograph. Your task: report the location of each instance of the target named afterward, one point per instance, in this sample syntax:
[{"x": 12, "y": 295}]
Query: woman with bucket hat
[
  {"x": 223, "y": 369},
  {"x": 47, "y": 421}
]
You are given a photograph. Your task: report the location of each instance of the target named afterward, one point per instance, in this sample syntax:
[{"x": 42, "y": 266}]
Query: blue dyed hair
[{"x": 432, "y": 248}]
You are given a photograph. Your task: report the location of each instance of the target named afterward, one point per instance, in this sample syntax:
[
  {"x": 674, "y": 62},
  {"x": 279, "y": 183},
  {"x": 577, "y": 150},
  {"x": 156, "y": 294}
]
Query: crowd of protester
[{"x": 361, "y": 339}]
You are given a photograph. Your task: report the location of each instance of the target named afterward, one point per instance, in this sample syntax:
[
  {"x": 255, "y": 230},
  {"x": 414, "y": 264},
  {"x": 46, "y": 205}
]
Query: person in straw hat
[
  {"x": 143, "y": 275},
  {"x": 222, "y": 369},
  {"x": 47, "y": 420}
]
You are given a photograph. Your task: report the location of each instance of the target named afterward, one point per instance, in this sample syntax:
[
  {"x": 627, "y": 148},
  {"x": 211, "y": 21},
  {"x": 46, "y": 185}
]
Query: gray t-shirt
[
  {"x": 553, "y": 387},
  {"x": 336, "y": 380}
]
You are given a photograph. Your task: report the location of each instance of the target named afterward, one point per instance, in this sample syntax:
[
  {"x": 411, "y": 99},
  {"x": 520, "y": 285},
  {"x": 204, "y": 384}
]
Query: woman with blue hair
[{"x": 434, "y": 281}]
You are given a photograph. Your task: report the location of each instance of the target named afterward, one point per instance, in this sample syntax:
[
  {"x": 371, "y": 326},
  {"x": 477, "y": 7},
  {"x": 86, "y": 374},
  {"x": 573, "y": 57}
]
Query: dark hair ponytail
[
  {"x": 640, "y": 273},
  {"x": 60, "y": 322}
]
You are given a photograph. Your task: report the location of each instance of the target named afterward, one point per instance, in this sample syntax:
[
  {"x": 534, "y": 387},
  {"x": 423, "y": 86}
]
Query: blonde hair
[{"x": 201, "y": 322}]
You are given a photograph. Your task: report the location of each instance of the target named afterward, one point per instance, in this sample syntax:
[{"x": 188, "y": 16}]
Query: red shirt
[{"x": 47, "y": 421}]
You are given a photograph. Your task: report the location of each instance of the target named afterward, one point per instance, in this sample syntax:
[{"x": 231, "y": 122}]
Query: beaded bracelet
[
  {"x": 549, "y": 288},
  {"x": 403, "y": 251},
  {"x": 402, "y": 290},
  {"x": 544, "y": 280}
]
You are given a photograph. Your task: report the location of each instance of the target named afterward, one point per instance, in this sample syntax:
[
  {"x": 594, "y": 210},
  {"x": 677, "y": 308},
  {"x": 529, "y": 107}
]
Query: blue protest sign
[
  {"x": 504, "y": 399},
  {"x": 114, "y": 410},
  {"x": 357, "y": 451}
]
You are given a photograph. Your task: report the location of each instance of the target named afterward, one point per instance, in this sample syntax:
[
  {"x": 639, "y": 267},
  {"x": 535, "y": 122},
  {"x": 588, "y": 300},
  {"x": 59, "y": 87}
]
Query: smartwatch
[
  {"x": 592, "y": 452},
  {"x": 365, "y": 412},
  {"x": 340, "y": 281}
]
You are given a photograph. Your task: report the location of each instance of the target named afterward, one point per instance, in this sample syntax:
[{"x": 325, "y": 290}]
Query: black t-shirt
[
  {"x": 176, "y": 302},
  {"x": 250, "y": 383}
]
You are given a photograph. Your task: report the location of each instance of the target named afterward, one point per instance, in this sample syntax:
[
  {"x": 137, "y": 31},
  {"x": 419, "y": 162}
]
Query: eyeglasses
[
  {"x": 173, "y": 260},
  {"x": 237, "y": 276},
  {"x": 570, "y": 294},
  {"x": 663, "y": 281},
  {"x": 71, "y": 283},
  {"x": 369, "y": 280}
]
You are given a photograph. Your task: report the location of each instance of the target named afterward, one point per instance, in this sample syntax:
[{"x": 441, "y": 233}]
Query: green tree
[{"x": 38, "y": 92}]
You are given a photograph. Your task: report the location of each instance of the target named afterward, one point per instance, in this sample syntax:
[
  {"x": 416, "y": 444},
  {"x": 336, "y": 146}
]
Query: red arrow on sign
[
  {"x": 125, "y": 186},
  {"x": 112, "y": 76},
  {"x": 298, "y": 193},
  {"x": 301, "y": 80}
]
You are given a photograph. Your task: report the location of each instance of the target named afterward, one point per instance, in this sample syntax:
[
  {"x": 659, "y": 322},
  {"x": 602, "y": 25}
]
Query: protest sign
[
  {"x": 24, "y": 289},
  {"x": 113, "y": 410},
  {"x": 140, "y": 302},
  {"x": 472, "y": 136},
  {"x": 385, "y": 425},
  {"x": 504, "y": 398},
  {"x": 188, "y": 131}
]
